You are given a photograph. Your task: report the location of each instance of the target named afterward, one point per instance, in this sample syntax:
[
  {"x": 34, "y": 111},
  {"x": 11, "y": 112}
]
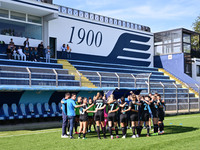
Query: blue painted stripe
[
  {"x": 35, "y": 97},
  {"x": 103, "y": 25},
  {"x": 35, "y": 5}
]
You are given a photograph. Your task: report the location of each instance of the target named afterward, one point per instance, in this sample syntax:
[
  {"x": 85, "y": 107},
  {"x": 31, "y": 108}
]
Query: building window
[
  {"x": 176, "y": 36},
  {"x": 18, "y": 16},
  {"x": 34, "y": 19},
  {"x": 186, "y": 38},
  {"x": 3, "y": 13},
  {"x": 158, "y": 50},
  {"x": 18, "y": 29},
  {"x": 187, "y": 68},
  {"x": 198, "y": 70},
  {"x": 176, "y": 48},
  {"x": 167, "y": 49},
  {"x": 187, "y": 48}
]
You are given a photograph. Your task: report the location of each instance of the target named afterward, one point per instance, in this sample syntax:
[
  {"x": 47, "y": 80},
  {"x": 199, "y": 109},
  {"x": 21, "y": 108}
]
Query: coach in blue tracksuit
[
  {"x": 64, "y": 115},
  {"x": 71, "y": 112}
]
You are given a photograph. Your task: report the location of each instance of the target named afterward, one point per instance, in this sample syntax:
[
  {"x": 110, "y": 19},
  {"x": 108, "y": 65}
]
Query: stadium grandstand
[{"x": 102, "y": 54}]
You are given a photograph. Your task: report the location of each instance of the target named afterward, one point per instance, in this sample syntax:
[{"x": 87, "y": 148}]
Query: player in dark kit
[
  {"x": 100, "y": 104},
  {"x": 113, "y": 107},
  {"x": 154, "y": 110},
  {"x": 91, "y": 115},
  {"x": 83, "y": 118},
  {"x": 79, "y": 101},
  {"x": 123, "y": 117},
  {"x": 144, "y": 114},
  {"x": 161, "y": 113},
  {"x": 133, "y": 107}
]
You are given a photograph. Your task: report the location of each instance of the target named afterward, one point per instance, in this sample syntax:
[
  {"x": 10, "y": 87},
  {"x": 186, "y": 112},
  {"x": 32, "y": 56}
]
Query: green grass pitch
[{"x": 181, "y": 133}]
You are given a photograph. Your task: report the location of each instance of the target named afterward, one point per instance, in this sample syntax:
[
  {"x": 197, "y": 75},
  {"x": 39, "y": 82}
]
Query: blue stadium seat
[
  {"x": 2, "y": 116},
  {"x": 24, "y": 112},
  {"x": 47, "y": 110},
  {"x": 40, "y": 111},
  {"x": 33, "y": 111},
  {"x": 55, "y": 109},
  {"x": 7, "y": 112},
  {"x": 15, "y": 111}
]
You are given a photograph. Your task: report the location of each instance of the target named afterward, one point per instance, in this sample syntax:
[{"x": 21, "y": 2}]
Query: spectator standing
[
  {"x": 41, "y": 50},
  {"x": 69, "y": 53},
  {"x": 23, "y": 56},
  {"x": 12, "y": 44},
  {"x": 48, "y": 54},
  {"x": 64, "y": 51},
  {"x": 27, "y": 53},
  {"x": 68, "y": 49},
  {"x": 26, "y": 43},
  {"x": 9, "y": 52}
]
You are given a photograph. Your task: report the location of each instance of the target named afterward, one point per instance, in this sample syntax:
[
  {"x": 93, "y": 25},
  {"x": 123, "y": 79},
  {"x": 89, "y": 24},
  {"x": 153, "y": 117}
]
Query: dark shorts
[
  {"x": 134, "y": 117},
  {"x": 77, "y": 116},
  {"x": 155, "y": 114},
  {"x": 83, "y": 118},
  {"x": 145, "y": 116},
  {"x": 123, "y": 118},
  {"x": 99, "y": 116},
  {"x": 112, "y": 117},
  {"x": 161, "y": 115},
  {"x": 90, "y": 117}
]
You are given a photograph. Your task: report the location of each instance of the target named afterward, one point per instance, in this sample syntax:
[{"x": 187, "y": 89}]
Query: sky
[{"x": 159, "y": 15}]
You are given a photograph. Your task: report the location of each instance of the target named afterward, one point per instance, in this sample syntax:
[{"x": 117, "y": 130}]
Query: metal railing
[
  {"x": 29, "y": 72},
  {"x": 176, "y": 97},
  {"x": 56, "y": 77},
  {"x": 180, "y": 100}
]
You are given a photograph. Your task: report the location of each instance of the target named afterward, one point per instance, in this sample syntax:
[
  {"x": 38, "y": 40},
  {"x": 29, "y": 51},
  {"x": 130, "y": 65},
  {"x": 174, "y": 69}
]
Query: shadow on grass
[{"x": 174, "y": 129}]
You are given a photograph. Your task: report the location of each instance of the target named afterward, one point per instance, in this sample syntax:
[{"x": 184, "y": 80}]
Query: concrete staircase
[{"x": 73, "y": 71}]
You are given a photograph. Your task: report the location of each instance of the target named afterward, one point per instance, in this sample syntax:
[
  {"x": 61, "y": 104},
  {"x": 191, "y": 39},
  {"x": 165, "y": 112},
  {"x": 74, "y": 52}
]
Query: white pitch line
[{"x": 29, "y": 133}]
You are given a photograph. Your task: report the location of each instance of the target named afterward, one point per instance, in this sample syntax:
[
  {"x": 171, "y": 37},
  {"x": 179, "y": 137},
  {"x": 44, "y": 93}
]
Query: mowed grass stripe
[
  {"x": 176, "y": 136},
  {"x": 32, "y": 133}
]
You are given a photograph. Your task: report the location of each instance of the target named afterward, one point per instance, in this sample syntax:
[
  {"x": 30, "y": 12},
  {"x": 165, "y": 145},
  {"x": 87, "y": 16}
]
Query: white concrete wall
[
  {"x": 61, "y": 28},
  {"x": 195, "y": 64}
]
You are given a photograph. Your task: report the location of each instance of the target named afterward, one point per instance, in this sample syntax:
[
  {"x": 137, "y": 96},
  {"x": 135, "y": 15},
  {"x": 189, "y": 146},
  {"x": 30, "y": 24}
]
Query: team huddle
[{"x": 139, "y": 110}]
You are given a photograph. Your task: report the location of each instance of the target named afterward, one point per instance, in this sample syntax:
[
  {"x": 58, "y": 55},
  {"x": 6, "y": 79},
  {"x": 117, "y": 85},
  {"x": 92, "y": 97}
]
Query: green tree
[{"x": 195, "y": 39}]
